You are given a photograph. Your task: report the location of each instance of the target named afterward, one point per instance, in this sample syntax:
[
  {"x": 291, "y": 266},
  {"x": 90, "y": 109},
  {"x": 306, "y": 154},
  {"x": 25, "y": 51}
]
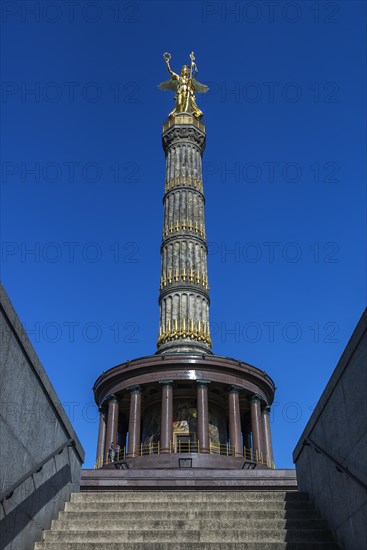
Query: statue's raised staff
[{"x": 185, "y": 85}]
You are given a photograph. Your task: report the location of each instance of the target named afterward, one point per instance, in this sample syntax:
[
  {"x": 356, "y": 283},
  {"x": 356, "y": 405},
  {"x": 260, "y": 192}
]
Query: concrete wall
[
  {"x": 33, "y": 424},
  {"x": 339, "y": 426}
]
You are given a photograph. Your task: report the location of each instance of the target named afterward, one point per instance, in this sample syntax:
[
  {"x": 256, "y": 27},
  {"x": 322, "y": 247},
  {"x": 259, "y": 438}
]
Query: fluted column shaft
[
  {"x": 203, "y": 415},
  {"x": 134, "y": 421},
  {"x": 234, "y": 418},
  {"x": 184, "y": 287},
  {"x": 166, "y": 416},
  {"x": 256, "y": 423},
  {"x": 268, "y": 447},
  {"x": 112, "y": 423},
  {"x": 101, "y": 445}
]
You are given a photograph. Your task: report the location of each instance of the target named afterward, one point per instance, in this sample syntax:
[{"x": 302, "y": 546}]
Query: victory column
[{"x": 184, "y": 402}]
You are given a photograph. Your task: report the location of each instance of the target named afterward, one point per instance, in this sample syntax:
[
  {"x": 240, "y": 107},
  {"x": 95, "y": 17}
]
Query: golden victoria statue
[{"x": 185, "y": 85}]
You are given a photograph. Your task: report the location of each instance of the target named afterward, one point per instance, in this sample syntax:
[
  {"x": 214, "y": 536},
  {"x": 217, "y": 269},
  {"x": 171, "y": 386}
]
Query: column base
[
  {"x": 132, "y": 454},
  {"x": 184, "y": 346}
]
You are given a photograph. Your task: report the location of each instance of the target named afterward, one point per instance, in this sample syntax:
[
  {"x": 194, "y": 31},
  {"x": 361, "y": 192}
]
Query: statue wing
[
  {"x": 199, "y": 87},
  {"x": 168, "y": 85}
]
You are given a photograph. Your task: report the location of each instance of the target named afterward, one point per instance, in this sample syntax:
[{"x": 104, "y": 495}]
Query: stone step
[
  {"x": 191, "y": 535},
  {"x": 184, "y": 479},
  {"x": 188, "y": 520},
  {"x": 187, "y": 546},
  {"x": 218, "y": 506},
  {"x": 139, "y": 516},
  {"x": 189, "y": 496},
  {"x": 120, "y": 523}
]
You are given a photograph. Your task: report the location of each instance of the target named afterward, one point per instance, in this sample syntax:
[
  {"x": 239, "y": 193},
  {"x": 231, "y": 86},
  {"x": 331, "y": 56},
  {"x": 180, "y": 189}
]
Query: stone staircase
[{"x": 188, "y": 520}]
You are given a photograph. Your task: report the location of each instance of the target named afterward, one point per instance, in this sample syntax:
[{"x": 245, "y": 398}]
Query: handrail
[
  {"x": 9, "y": 492},
  {"x": 343, "y": 469}
]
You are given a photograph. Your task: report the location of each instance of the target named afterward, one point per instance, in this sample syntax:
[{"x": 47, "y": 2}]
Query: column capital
[
  {"x": 255, "y": 398},
  {"x": 134, "y": 389},
  {"x": 177, "y": 134},
  {"x": 166, "y": 383},
  {"x": 203, "y": 382},
  {"x": 110, "y": 398},
  {"x": 234, "y": 389},
  {"x": 266, "y": 409}
]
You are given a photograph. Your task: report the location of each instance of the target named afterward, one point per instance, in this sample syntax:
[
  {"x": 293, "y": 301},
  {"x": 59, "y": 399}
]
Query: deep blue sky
[{"x": 284, "y": 164}]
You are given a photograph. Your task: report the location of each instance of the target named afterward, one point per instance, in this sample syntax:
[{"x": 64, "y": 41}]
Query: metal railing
[
  {"x": 179, "y": 447},
  {"x": 9, "y": 492}
]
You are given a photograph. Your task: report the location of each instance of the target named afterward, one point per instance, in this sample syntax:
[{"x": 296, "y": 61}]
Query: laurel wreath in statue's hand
[{"x": 167, "y": 57}]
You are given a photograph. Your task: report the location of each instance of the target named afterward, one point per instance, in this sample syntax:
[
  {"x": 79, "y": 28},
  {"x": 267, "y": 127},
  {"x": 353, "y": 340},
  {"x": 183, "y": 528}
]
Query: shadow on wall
[{"x": 26, "y": 510}]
